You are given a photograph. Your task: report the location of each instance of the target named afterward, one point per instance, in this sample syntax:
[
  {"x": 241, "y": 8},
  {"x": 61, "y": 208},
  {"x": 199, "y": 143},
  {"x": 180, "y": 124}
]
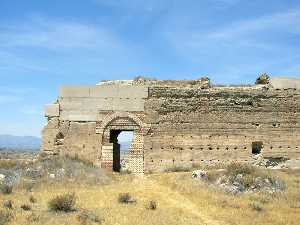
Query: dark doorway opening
[
  {"x": 257, "y": 147},
  {"x": 121, "y": 140}
]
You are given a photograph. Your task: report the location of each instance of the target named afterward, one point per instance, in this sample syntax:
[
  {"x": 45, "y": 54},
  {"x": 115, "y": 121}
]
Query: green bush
[{"x": 65, "y": 203}]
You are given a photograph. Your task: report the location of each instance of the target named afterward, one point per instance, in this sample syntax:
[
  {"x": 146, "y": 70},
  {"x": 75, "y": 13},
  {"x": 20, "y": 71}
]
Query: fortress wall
[{"x": 192, "y": 126}]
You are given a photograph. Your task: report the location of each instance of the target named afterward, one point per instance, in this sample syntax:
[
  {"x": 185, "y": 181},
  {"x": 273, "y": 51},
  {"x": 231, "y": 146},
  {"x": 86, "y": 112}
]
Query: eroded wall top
[{"x": 91, "y": 103}]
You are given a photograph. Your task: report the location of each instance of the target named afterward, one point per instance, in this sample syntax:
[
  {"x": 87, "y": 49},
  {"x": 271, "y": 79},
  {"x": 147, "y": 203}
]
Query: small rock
[{"x": 51, "y": 175}]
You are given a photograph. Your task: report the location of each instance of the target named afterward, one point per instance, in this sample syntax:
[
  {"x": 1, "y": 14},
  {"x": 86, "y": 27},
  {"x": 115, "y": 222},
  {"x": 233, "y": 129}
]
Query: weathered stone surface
[
  {"x": 52, "y": 110},
  {"x": 178, "y": 123},
  {"x": 285, "y": 83}
]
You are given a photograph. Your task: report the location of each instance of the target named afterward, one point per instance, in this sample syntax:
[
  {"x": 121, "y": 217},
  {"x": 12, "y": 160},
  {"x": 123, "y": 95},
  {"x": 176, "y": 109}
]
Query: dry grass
[{"x": 181, "y": 199}]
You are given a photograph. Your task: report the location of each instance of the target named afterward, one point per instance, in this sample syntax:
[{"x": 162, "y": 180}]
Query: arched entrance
[{"x": 110, "y": 128}]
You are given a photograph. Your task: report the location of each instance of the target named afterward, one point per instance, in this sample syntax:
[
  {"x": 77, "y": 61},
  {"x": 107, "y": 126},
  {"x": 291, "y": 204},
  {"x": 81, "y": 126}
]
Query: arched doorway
[{"x": 111, "y": 127}]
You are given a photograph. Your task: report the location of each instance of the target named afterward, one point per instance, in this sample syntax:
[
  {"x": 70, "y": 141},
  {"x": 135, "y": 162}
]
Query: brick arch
[
  {"x": 117, "y": 115},
  {"x": 124, "y": 121}
]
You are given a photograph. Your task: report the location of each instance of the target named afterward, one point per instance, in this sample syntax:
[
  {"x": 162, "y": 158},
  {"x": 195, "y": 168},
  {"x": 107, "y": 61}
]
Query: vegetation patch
[
  {"x": 152, "y": 205},
  {"x": 25, "y": 207},
  {"x": 125, "y": 198},
  {"x": 64, "y": 203}
]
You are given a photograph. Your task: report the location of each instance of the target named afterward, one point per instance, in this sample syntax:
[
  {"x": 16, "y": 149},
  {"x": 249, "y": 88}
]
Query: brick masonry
[{"x": 177, "y": 123}]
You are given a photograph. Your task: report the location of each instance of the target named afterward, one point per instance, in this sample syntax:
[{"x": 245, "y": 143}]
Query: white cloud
[
  {"x": 283, "y": 21},
  {"x": 56, "y": 35},
  {"x": 235, "y": 36}
]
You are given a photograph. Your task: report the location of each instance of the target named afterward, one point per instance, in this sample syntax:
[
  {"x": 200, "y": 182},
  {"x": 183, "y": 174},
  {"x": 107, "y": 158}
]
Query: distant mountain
[{"x": 19, "y": 143}]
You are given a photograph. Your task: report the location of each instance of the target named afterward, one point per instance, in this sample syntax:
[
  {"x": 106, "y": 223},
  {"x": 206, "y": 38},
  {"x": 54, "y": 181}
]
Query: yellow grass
[{"x": 180, "y": 200}]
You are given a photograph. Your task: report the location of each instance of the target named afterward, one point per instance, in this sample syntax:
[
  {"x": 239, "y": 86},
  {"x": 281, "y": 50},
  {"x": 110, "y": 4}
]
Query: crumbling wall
[
  {"x": 177, "y": 123},
  {"x": 195, "y": 126}
]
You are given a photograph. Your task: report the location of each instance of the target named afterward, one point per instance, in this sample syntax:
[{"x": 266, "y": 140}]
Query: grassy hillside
[{"x": 179, "y": 200}]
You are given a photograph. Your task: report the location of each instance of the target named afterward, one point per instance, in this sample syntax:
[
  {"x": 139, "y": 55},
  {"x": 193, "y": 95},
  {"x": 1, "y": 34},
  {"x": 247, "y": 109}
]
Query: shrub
[
  {"x": 6, "y": 189},
  {"x": 25, "y": 207},
  {"x": 65, "y": 203},
  {"x": 125, "y": 198},
  {"x": 152, "y": 205},
  {"x": 248, "y": 180},
  {"x": 236, "y": 168},
  {"x": 32, "y": 199},
  {"x": 85, "y": 217},
  {"x": 5, "y": 216},
  {"x": 8, "y": 204}
]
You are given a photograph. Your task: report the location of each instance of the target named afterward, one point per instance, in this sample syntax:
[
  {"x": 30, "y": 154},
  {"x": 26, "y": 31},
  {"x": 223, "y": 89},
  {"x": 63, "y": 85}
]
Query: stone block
[
  {"x": 110, "y": 91},
  {"x": 75, "y": 91},
  {"x": 79, "y": 115},
  {"x": 52, "y": 110},
  {"x": 129, "y": 105},
  {"x": 133, "y": 92}
]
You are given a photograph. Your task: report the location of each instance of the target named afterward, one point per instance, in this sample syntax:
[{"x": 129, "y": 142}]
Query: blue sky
[{"x": 45, "y": 44}]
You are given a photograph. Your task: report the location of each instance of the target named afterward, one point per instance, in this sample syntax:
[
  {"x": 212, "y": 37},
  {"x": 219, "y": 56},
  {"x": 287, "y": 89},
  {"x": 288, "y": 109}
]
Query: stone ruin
[{"x": 177, "y": 123}]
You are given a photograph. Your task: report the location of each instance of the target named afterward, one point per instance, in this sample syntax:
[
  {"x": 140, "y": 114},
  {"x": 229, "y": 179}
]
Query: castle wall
[{"x": 176, "y": 123}]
